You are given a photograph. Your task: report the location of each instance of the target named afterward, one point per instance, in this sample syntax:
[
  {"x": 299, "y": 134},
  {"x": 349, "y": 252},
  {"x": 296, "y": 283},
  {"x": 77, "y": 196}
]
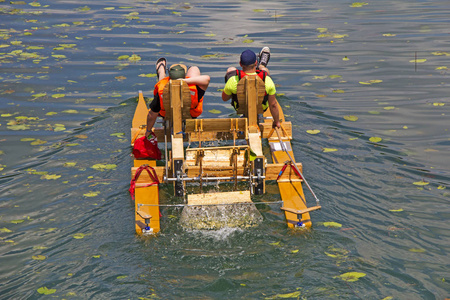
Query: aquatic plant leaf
[
  {"x": 39, "y": 95},
  {"x": 39, "y": 247},
  {"x": 70, "y": 111},
  {"x": 59, "y": 56},
  {"x": 18, "y": 127},
  {"x": 351, "y": 276},
  {"x": 91, "y": 194},
  {"x": 134, "y": 57},
  {"x": 396, "y": 210},
  {"x": 351, "y": 118},
  {"x": 359, "y": 4},
  {"x": 45, "y": 291},
  {"x": 5, "y": 230},
  {"x": 51, "y": 113},
  {"x": 313, "y": 131},
  {"x": 147, "y": 75},
  {"x": 214, "y": 111},
  {"x": 438, "y": 104},
  {"x": 375, "y": 139},
  {"x": 417, "y": 250},
  {"x": 389, "y": 34},
  {"x": 441, "y": 53},
  {"x": 389, "y": 107},
  {"x": 17, "y": 221},
  {"x": 285, "y": 296},
  {"x": 38, "y": 257},
  {"x": 38, "y": 142},
  {"x": 78, "y": 236},
  {"x": 122, "y": 276},
  {"x": 56, "y": 96},
  {"x": 441, "y": 187},
  {"x": 50, "y": 176},
  {"x": 59, "y": 127},
  {"x": 122, "y": 57},
  {"x": 421, "y": 183},
  {"x": 334, "y": 76},
  {"x": 103, "y": 167},
  {"x": 247, "y": 41},
  {"x": 332, "y": 224},
  {"x": 371, "y": 81},
  {"x": 27, "y": 139},
  {"x": 422, "y": 60},
  {"x": 96, "y": 256},
  {"x": 118, "y": 134},
  {"x": 329, "y": 150},
  {"x": 345, "y": 58},
  {"x": 339, "y": 91}
]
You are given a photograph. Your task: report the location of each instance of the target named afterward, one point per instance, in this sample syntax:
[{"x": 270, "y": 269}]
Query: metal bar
[
  {"x": 183, "y": 205},
  {"x": 295, "y": 166},
  {"x": 210, "y": 178}
]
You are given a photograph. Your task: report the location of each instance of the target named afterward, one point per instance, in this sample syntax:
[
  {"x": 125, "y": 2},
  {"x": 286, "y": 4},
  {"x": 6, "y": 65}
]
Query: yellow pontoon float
[{"x": 241, "y": 163}]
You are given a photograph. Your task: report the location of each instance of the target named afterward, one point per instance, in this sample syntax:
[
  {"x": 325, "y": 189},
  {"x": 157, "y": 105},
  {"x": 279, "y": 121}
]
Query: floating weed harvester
[{"x": 240, "y": 164}]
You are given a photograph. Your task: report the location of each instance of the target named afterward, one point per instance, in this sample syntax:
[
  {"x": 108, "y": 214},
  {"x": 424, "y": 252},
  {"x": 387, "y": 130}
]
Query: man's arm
[
  {"x": 202, "y": 81},
  {"x": 225, "y": 97},
  {"x": 151, "y": 119},
  {"x": 273, "y": 106}
]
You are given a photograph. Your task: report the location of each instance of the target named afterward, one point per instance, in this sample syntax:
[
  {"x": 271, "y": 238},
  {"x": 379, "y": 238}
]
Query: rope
[{"x": 151, "y": 172}]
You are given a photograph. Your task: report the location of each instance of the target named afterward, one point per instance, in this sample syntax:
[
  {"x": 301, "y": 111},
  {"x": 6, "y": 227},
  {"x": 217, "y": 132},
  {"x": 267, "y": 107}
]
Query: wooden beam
[
  {"x": 219, "y": 198},
  {"x": 301, "y": 212},
  {"x": 272, "y": 171},
  {"x": 217, "y": 125},
  {"x": 266, "y": 129},
  {"x": 144, "y": 178},
  {"x": 254, "y": 141}
]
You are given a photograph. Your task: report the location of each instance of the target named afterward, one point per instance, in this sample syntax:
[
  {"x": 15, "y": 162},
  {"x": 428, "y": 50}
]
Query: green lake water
[{"x": 370, "y": 78}]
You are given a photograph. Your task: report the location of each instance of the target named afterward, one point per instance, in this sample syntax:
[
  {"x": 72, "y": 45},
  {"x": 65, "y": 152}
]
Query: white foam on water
[{"x": 220, "y": 234}]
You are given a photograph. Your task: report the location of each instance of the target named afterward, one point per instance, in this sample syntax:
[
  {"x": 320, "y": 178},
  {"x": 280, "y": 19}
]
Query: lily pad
[
  {"x": 313, "y": 131},
  {"x": 91, "y": 194},
  {"x": 45, "y": 291},
  {"x": 38, "y": 257},
  {"x": 421, "y": 183},
  {"x": 79, "y": 236},
  {"x": 351, "y": 276},
  {"x": 375, "y": 139},
  {"x": 332, "y": 224},
  {"x": 351, "y": 118},
  {"x": 215, "y": 111},
  {"x": 329, "y": 150}
]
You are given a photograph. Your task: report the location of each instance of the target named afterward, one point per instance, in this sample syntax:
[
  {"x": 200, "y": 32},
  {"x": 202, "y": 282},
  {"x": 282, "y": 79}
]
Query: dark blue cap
[{"x": 248, "y": 57}]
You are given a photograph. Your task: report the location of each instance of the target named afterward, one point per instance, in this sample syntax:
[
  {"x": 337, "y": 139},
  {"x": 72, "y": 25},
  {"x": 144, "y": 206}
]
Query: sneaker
[{"x": 264, "y": 56}]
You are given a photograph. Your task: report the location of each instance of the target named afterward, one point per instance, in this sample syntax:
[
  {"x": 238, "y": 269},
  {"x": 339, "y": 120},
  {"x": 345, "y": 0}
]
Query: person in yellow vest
[
  {"x": 197, "y": 83},
  {"x": 250, "y": 66}
]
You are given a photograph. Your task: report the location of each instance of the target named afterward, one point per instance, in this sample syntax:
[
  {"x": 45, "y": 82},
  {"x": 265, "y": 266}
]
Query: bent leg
[
  {"x": 193, "y": 71},
  {"x": 231, "y": 71}
]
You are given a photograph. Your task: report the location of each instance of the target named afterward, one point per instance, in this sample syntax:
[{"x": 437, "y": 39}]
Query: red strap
[
  {"x": 284, "y": 168},
  {"x": 151, "y": 172}
]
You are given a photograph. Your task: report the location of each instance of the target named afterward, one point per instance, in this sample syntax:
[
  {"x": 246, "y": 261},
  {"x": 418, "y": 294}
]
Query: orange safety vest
[{"x": 196, "y": 104}]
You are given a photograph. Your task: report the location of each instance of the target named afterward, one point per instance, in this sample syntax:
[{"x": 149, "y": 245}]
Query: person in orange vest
[
  {"x": 197, "y": 83},
  {"x": 250, "y": 66}
]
